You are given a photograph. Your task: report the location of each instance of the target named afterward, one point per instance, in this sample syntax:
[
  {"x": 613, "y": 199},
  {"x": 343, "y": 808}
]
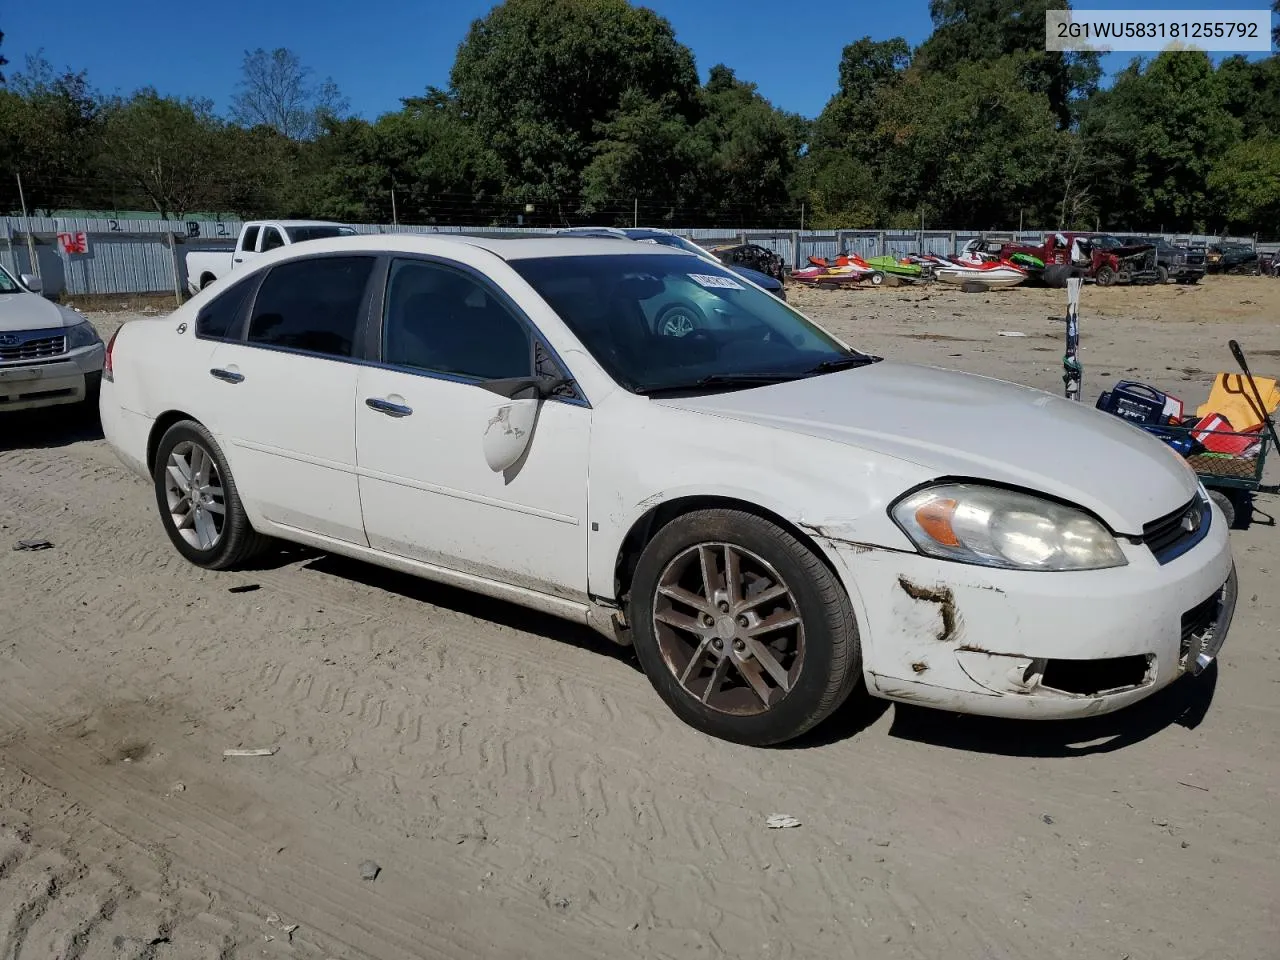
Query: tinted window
[
  {"x": 440, "y": 319},
  {"x": 311, "y": 305},
  {"x": 271, "y": 239},
  {"x": 659, "y": 320},
  {"x": 218, "y": 320},
  {"x": 303, "y": 234},
  {"x": 250, "y": 239}
]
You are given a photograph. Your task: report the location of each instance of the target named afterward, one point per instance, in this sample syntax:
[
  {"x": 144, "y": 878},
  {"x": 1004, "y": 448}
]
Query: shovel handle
[{"x": 1257, "y": 394}]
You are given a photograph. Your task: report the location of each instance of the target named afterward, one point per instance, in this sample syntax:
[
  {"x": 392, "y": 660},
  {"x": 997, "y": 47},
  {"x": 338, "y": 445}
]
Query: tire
[
  {"x": 1162, "y": 274},
  {"x": 1056, "y": 275},
  {"x": 973, "y": 286},
  {"x": 808, "y": 669},
  {"x": 233, "y": 541},
  {"x": 679, "y": 320},
  {"x": 1105, "y": 277},
  {"x": 877, "y": 278},
  {"x": 1226, "y": 505},
  {"x": 207, "y": 279}
]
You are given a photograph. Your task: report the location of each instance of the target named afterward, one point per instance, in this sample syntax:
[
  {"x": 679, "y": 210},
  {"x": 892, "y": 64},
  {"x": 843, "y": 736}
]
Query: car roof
[{"x": 508, "y": 246}]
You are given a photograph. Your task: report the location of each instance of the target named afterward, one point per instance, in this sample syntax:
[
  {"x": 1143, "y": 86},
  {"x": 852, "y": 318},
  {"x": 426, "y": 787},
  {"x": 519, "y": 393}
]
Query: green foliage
[
  {"x": 1246, "y": 179},
  {"x": 592, "y": 109}
]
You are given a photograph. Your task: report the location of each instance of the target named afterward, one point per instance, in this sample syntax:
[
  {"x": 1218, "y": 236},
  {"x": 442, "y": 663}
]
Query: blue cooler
[{"x": 1135, "y": 402}]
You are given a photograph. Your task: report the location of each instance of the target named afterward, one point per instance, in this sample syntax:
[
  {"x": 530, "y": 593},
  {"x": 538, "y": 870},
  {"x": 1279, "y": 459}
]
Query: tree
[
  {"x": 48, "y": 128},
  {"x": 1157, "y": 132},
  {"x": 536, "y": 79},
  {"x": 275, "y": 90},
  {"x": 3, "y": 61},
  {"x": 1251, "y": 93},
  {"x": 981, "y": 31},
  {"x": 166, "y": 149},
  {"x": 1246, "y": 180}
]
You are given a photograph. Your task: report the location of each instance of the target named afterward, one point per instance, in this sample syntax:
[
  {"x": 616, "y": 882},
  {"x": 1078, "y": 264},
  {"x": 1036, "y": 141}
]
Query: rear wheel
[
  {"x": 1105, "y": 277},
  {"x": 198, "y": 501},
  {"x": 741, "y": 629}
]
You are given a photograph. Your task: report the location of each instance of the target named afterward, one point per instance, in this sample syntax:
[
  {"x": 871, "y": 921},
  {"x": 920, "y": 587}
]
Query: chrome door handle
[
  {"x": 230, "y": 376},
  {"x": 387, "y": 407}
]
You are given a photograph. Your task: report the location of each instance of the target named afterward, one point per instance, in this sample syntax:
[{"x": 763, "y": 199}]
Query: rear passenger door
[{"x": 282, "y": 388}]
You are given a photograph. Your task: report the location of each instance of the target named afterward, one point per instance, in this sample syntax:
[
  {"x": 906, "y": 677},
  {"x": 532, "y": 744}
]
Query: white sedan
[
  {"x": 768, "y": 515},
  {"x": 49, "y": 354}
]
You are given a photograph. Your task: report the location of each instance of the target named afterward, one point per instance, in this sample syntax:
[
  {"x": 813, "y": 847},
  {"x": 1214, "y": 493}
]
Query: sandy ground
[{"x": 525, "y": 793}]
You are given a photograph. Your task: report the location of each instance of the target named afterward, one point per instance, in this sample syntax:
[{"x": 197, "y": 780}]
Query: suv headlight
[
  {"x": 1002, "y": 528},
  {"x": 81, "y": 334}
]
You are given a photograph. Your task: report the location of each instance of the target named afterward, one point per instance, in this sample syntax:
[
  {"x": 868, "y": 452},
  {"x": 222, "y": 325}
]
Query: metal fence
[{"x": 149, "y": 256}]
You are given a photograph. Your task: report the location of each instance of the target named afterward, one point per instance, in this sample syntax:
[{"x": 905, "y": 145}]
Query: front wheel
[
  {"x": 1162, "y": 274},
  {"x": 741, "y": 629},
  {"x": 1105, "y": 277},
  {"x": 198, "y": 501}
]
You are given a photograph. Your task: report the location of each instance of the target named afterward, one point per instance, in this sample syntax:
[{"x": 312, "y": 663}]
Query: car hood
[
  {"x": 755, "y": 276},
  {"x": 962, "y": 425},
  {"x": 30, "y": 311}
]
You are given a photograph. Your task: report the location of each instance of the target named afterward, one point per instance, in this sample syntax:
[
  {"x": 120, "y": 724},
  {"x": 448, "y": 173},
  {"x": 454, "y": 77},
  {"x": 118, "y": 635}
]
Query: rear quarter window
[{"x": 221, "y": 318}]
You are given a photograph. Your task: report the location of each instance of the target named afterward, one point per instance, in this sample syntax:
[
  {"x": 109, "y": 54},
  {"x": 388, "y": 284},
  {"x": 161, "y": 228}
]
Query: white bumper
[
  {"x": 126, "y": 432},
  {"x": 1037, "y": 645},
  {"x": 47, "y": 384}
]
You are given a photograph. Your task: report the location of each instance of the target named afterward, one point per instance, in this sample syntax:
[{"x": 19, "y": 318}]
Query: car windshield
[
  {"x": 7, "y": 283},
  {"x": 664, "y": 322},
  {"x": 302, "y": 234}
]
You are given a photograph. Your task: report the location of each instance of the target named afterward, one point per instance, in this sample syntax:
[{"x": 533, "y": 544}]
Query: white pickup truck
[{"x": 256, "y": 237}]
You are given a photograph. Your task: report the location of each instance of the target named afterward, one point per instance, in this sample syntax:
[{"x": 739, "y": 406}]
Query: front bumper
[
  {"x": 1037, "y": 645},
  {"x": 68, "y": 378}
]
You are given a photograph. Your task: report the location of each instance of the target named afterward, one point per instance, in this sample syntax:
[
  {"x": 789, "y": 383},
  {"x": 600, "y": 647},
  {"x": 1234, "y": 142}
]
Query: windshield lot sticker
[{"x": 711, "y": 282}]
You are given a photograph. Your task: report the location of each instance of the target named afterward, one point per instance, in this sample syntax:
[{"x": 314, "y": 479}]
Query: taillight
[{"x": 106, "y": 365}]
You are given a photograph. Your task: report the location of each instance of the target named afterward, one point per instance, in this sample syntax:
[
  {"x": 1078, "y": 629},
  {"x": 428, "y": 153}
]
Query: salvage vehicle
[
  {"x": 770, "y": 516},
  {"x": 49, "y": 354},
  {"x": 1099, "y": 257},
  {"x": 753, "y": 256},
  {"x": 1181, "y": 261},
  {"x": 256, "y": 237},
  {"x": 1230, "y": 257},
  {"x": 763, "y": 280}
]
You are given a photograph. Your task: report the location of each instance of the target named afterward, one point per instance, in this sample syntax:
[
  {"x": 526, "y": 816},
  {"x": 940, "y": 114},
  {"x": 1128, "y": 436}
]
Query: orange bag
[{"x": 1233, "y": 398}]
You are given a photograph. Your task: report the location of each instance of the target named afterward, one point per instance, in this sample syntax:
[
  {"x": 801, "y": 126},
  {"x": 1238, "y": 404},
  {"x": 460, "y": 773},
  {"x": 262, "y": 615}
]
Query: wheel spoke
[
  {"x": 682, "y": 595},
  {"x": 708, "y": 561},
  {"x": 694, "y": 661},
  {"x": 716, "y": 681},
  {"x": 199, "y": 466},
  {"x": 750, "y": 671},
  {"x": 732, "y": 575},
  {"x": 187, "y": 520},
  {"x": 764, "y": 596},
  {"x": 764, "y": 656},
  {"x": 681, "y": 621},
  {"x": 783, "y": 618},
  {"x": 205, "y": 530},
  {"x": 216, "y": 507},
  {"x": 180, "y": 473}
]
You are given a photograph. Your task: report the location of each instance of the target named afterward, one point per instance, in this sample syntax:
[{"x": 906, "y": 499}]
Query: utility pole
[
  {"x": 395, "y": 221},
  {"x": 31, "y": 243},
  {"x": 802, "y": 215},
  {"x": 635, "y": 217}
]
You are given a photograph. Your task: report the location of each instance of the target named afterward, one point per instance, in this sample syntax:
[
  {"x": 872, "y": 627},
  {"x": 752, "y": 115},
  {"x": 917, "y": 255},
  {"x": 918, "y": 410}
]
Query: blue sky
[{"x": 381, "y": 50}]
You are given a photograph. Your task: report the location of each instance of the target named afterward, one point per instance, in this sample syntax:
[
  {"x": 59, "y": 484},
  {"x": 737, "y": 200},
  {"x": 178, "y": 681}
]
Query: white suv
[{"x": 49, "y": 354}]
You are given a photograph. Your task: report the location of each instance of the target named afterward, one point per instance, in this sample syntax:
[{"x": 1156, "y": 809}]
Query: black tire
[
  {"x": 680, "y": 316},
  {"x": 831, "y": 660},
  {"x": 1227, "y": 505},
  {"x": 877, "y": 278},
  {"x": 237, "y": 541},
  {"x": 1105, "y": 276},
  {"x": 1162, "y": 274},
  {"x": 207, "y": 279},
  {"x": 1056, "y": 275}
]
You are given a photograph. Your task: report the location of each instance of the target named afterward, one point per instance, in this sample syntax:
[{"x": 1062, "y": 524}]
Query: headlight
[
  {"x": 81, "y": 334},
  {"x": 1002, "y": 528}
]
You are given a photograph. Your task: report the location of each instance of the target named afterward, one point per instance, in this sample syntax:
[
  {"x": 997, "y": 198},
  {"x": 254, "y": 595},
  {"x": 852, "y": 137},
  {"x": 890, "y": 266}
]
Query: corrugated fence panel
[{"x": 133, "y": 256}]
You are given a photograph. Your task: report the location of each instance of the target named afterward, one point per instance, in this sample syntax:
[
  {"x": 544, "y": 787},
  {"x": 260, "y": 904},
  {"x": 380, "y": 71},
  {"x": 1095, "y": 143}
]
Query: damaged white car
[{"x": 768, "y": 515}]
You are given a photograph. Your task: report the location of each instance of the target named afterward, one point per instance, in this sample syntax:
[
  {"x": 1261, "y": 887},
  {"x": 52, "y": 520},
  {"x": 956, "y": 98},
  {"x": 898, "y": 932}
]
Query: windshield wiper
[
  {"x": 719, "y": 380},
  {"x": 844, "y": 363}
]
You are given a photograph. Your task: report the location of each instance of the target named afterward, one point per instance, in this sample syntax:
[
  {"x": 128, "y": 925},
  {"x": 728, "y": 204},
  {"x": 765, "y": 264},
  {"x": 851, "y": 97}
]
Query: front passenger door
[{"x": 427, "y": 492}]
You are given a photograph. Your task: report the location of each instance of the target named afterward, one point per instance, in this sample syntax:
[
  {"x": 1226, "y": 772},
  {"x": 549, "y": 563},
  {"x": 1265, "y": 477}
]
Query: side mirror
[
  {"x": 506, "y": 436},
  {"x": 32, "y": 282}
]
